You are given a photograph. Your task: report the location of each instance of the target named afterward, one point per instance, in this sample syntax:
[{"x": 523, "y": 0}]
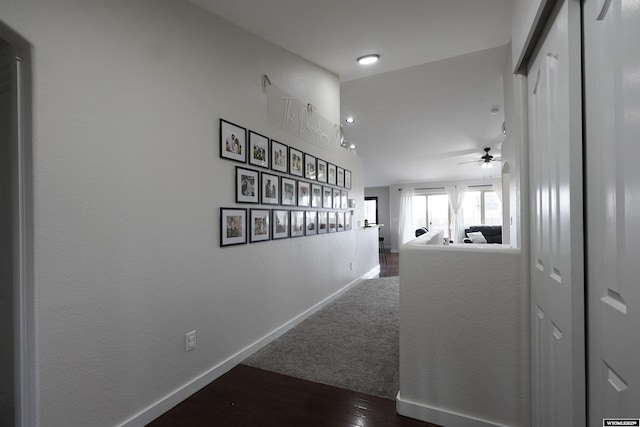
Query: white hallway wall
[{"x": 127, "y": 189}]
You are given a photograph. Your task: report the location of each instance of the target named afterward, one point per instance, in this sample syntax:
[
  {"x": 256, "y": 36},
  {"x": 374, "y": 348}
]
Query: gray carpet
[{"x": 352, "y": 343}]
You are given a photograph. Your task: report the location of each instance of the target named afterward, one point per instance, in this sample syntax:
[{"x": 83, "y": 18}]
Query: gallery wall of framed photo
[{"x": 291, "y": 193}]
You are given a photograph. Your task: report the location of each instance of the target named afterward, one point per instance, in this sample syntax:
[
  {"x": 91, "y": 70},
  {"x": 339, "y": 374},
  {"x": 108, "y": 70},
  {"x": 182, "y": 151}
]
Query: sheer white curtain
[
  {"x": 498, "y": 189},
  {"x": 405, "y": 222},
  {"x": 456, "y": 198}
]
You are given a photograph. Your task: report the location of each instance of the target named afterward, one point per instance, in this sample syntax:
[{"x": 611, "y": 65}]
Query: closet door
[
  {"x": 612, "y": 148},
  {"x": 557, "y": 266}
]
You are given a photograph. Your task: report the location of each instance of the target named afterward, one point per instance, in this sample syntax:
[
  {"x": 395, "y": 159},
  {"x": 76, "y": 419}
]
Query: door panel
[
  {"x": 612, "y": 109},
  {"x": 555, "y": 152}
]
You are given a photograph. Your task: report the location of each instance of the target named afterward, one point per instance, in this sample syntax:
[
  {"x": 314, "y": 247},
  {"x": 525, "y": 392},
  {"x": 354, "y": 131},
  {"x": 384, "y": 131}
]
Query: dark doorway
[{"x": 7, "y": 324}]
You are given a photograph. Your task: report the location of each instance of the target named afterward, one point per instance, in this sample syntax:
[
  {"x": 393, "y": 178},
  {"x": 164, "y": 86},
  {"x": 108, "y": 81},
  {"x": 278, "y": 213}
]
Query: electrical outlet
[{"x": 190, "y": 340}]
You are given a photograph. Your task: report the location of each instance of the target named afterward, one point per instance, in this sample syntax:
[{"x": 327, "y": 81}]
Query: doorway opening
[{"x": 17, "y": 390}]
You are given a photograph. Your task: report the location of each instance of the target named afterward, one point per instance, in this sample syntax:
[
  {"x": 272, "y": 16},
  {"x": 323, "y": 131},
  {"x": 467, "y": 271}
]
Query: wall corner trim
[
  {"x": 158, "y": 408},
  {"x": 422, "y": 412}
]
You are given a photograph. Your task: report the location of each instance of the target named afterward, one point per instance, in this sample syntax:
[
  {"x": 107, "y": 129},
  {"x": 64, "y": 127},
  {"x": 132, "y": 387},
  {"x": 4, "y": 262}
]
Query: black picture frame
[
  {"x": 327, "y": 197},
  {"x": 323, "y": 223},
  {"x": 297, "y": 223},
  {"x": 348, "y": 221},
  {"x": 270, "y": 189},
  {"x": 304, "y": 194},
  {"x": 296, "y": 165},
  {"x": 310, "y": 171},
  {"x": 331, "y": 174},
  {"x": 258, "y": 150},
  {"x": 288, "y": 192},
  {"x": 347, "y": 179},
  {"x": 332, "y": 221},
  {"x": 321, "y": 167},
  {"x": 339, "y": 177},
  {"x": 233, "y": 226},
  {"x": 247, "y": 185},
  {"x": 316, "y": 195},
  {"x": 311, "y": 223},
  {"x": 340, "y": 216},
  {"x": 279, "y": 157},
  {"x": 280, "y": 224},
  {"x": 344, "y": 199},
  {"x": 233, "y": 141},
  {"x": 336, "y": 198},
  {"x": 259, "y": 225}
]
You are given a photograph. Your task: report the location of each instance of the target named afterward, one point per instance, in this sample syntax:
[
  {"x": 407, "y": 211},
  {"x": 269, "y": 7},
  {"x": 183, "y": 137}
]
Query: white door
[
  {"x": 612, "y": 150},
  {"x": 557, "y": 292}
]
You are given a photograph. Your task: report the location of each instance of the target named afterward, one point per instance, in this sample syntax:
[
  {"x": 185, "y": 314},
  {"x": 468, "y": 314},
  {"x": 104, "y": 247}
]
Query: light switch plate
[{"x": 190, "y": 340}]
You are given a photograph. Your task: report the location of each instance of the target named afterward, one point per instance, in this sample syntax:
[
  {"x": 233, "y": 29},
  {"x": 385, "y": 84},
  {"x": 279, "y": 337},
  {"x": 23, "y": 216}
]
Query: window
[
  {"x": 481, "y": 208},
  {"x": 432, "y": 211},
  {"x": 371, "y": 209}
]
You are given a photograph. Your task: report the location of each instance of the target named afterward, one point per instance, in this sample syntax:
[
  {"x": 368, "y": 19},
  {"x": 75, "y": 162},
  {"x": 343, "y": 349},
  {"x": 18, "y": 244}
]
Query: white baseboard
[
  {"x": 422, "y": 412},
  {"x": 158, "y": 408}
]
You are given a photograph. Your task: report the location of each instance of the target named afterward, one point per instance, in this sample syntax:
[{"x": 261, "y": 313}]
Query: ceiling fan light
[
  {"x": 486, "y": 165},
  {"x": 368, "y": 59}
]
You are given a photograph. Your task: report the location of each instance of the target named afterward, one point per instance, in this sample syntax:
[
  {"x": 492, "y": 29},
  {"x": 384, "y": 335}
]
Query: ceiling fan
[{"x": 485, "y": 161}]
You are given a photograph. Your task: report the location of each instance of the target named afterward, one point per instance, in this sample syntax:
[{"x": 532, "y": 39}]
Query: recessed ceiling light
[
  {"x": 368, "y": 59},
  {"x": 349, "y": 119}
]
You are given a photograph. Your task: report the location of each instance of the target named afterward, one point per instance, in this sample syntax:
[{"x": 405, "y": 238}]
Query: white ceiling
[{"x": 425, "y": 106}]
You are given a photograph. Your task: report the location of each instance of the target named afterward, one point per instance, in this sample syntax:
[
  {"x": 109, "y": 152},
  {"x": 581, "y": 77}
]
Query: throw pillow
[{"x": 477, "y": 237}]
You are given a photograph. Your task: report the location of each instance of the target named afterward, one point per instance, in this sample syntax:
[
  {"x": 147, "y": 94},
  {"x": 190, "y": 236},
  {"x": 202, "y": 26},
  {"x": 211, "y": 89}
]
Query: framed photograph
[
  {"x": 309, "y": 166},
  {"x": 347, "y": 179},
  {"x": 270, "y": 189},
  {"x": 333, "y": 222},
  {"x": 233, "y": 141},
  {"x": 344, "y": 199},
  {"x": 297, "y": 223},
  {"x": 258, "y": 150},
  {"x": 288, "y": 192},
  {"x": 316, "y": 196},
  {"x": 348, "y": 221},
  {"x": 311, "y": 223},
  {"x": 259, "y": 230},
  {"x": 280, "y": 223},
  {"x": 331, "y": 173},
  {"x": 322, "y": 223},
  {"x": 246, "y": 185},
  {"x": 322, "y": 170},
  {"x": 304, "y": 194},
  {"x": 336, "y": 198},
  {"x": 340, "y": 175},
  {"x": 279, "y": 157},
  {"x": 233, "y": 226},
  {"x": 327, "y": 197},
  {"x": 340, "y": 216},
  {"x": 295, "y": 162}
]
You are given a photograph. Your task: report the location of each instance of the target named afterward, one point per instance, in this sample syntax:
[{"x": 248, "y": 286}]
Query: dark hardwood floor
[
  {"x": 247, "y": 396},
  {"x": 391, "y": 267}
]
